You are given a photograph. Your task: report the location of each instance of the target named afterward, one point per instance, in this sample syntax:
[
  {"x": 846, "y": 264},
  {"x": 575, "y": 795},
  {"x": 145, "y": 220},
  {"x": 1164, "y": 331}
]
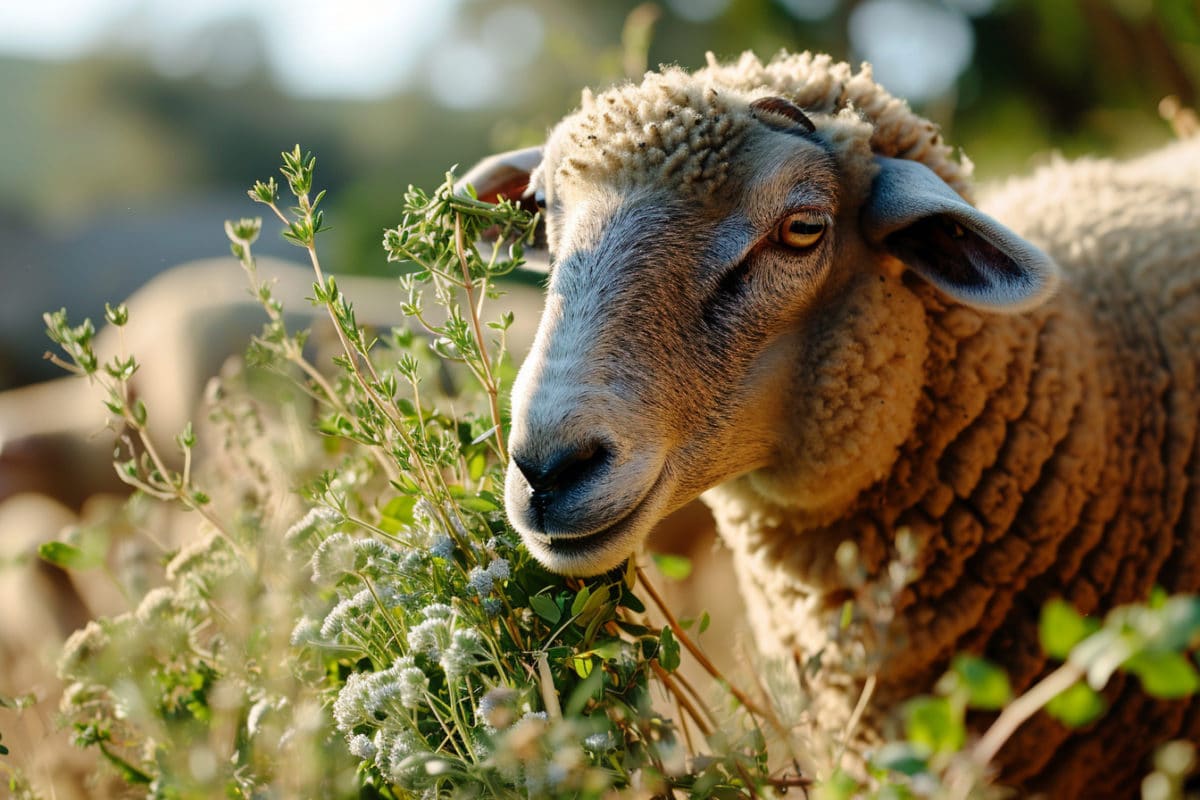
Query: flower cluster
[{"x": 354, "y": 602}]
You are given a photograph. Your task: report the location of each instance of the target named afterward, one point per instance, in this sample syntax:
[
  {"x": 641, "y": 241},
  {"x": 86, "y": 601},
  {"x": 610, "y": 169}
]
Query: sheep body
[
  {"x": 1053, "y": 455},
  {"x": 1034, "y": 455}
]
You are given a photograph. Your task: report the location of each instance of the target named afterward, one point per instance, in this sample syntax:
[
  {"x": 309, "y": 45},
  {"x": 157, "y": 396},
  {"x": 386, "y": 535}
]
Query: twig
[
  {"x": 489, "y": 383},
  {"x": 692, "y": 648},
  {"x": 679, "y": 696},
  {"x": 855, "y": 717},
  {"x": 1011, "y": 718}
]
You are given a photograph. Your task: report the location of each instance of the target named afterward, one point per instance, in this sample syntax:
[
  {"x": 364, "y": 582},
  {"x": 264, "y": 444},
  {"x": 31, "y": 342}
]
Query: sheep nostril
[{"x": 563, "y": 470}]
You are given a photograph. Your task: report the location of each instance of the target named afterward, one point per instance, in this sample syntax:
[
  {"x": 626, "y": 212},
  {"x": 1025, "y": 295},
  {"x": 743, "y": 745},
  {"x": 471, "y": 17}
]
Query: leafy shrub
[{"x": 351, "y": 615}]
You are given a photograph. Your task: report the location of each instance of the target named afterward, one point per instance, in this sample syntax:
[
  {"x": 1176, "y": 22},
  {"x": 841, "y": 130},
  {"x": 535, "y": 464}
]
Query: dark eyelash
[
  {"x": 733, "y": 281},
  {"x": 727, "y": 292}
]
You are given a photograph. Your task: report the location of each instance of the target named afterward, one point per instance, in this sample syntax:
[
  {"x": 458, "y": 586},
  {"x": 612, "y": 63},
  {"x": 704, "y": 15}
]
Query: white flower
[
  {"x": 599, "y": 742},
  {"x": 307, "y": 631},
  {"x": 401, "y": 761},
  {"x": 413, "y": 684},
  {"x": 350, "y": 612},
  {"x": 499, "y": 569},
  {"x": 428, "y": 637},
  {"x": 375, "y": 558},
  {"x": 438, "y": 611},
  {"x": 333, "y": 559},
  {"x": 255, "y": 716},
  {"x": 82, "y": 647},
  {"x": 459, "y": 657},
  {"x": 480, "y": 581},
  {"x": 318, "y": 521},
  {"x": 495, "y": 708},
  {"x": 423, "y": 512},
  {"x": 413, "y": 562},
  {"x": 382, "y": 687},
  {"x": 211, "y": 552},
  {"x": 362, "y": 747},
  {"x": 156, "y": 604},
  {"x": 349, "y": 709}
]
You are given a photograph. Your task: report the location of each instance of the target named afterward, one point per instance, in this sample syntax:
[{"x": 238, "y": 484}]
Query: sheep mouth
[{"x": 601, "y": 550}]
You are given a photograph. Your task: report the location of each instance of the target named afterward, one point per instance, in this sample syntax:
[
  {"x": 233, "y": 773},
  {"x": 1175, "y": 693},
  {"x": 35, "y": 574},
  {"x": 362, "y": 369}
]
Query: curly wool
[
  {"x": 1050, "y": 453},
  {"x": 682, "y": 128},
  {"x": 1053, "y": 454}
]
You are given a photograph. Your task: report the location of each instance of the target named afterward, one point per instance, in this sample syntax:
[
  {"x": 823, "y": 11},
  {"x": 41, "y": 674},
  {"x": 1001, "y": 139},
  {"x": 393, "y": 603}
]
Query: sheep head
[{"x": 727, "y": 298}]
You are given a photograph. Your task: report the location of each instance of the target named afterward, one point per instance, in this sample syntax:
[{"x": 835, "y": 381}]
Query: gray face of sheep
[{"x": 666, "y": 359}]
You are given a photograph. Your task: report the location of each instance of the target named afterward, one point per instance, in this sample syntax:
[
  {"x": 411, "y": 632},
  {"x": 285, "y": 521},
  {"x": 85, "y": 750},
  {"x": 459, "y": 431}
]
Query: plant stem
[
  {"x": 681, "y": 698},
  {"x": 692, "y": 648},
  {"x": 1011, "y": 718},
  {"x": 489, "y": 383},
  {"x": 855, "y": 717}
]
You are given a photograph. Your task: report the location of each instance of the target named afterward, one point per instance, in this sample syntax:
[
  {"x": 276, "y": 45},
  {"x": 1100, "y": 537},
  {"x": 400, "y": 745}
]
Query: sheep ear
[
  {"x": 914, "y": 215},
  {"x": 502, "y": 175},
  {"x": 507, "y": 175}
]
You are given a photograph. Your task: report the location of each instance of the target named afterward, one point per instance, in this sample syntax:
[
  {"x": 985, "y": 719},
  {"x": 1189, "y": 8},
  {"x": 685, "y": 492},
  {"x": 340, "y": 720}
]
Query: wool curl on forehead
[{"x": 682, "y": 128}]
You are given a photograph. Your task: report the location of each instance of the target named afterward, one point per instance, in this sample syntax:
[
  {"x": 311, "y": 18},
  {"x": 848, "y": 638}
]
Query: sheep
[{"x": 770, "y": 288}]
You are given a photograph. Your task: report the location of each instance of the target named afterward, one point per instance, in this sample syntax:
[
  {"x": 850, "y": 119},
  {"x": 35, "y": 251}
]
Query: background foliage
[{"x": 126, "y": 144}]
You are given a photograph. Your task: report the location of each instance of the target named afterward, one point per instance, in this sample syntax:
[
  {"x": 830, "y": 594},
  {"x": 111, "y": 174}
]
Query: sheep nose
[{"x": 563, "y": 470}]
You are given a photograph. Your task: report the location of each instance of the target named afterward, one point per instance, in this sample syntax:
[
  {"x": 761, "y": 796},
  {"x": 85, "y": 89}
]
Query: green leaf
[
  {"x": 69, "y": 556},
  {"x": 632, "y": 602},
  {"x": 677, "y": 568},
  {"x": 986, "y": 684},
  {"x": 545, "y": 608},
  {"x": 1164, "y": 674},
  {"x": 900, "y": 757},
  {"x": 583, "y": 666},
  {"x": 398, "y": 513},
  {"x": 591, "y": 605},
  {"x": 668, "y": 650},
  {"x": 1062, "y": 627},
  {"x": 129, "y": 773},
  {"x": 609, "y": 649},
  {"x": 840, "y": 786},
  {"x": 933, "y": 726},
  {"x": 705, "y": 620},
  {"x": 476, "y": 503},
  {"x": 580, "y": 601},
  {"x": 1077, "y": 706},
  {"x": 1180, "y": 617},
  {"x": 590, "y": 688},
  {"x": 847, "y": 615}
]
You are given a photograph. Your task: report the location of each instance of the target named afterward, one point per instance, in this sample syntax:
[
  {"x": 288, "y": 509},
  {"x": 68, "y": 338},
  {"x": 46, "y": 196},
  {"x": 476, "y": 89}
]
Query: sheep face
[
  {"x": 733, "y": 307},
  {"x": 660, "y": 362}
]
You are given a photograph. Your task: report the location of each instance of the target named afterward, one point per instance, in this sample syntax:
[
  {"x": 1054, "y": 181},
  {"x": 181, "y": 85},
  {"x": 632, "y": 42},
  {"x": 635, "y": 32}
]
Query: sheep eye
[
  {"x": 800, "y": 230},
  {"x": 539, "y": 198}
]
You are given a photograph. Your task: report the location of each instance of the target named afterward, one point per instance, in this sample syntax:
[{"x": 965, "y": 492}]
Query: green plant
[
  {"x": 343, "y": 610},
  {"x": 443, "y": 655},
  {"x": 937, "y": 757}
]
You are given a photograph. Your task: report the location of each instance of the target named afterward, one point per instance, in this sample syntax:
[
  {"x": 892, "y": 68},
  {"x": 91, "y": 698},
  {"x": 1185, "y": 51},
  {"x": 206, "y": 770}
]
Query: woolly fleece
[
  {"x": 1032, "y": 456},
  {"x": 1053, "y": 454}
]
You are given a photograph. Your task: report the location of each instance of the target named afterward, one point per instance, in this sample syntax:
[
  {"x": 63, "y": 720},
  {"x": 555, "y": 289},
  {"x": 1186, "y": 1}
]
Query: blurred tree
[{"x": 105, "y": 146}]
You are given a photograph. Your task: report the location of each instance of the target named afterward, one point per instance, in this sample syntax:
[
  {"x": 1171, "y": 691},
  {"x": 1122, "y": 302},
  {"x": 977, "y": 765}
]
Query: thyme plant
[{"x": 343, "y": 609}]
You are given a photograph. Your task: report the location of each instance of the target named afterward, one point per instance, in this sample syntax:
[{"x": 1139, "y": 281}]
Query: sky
[{"x": 364, "y": 48}]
